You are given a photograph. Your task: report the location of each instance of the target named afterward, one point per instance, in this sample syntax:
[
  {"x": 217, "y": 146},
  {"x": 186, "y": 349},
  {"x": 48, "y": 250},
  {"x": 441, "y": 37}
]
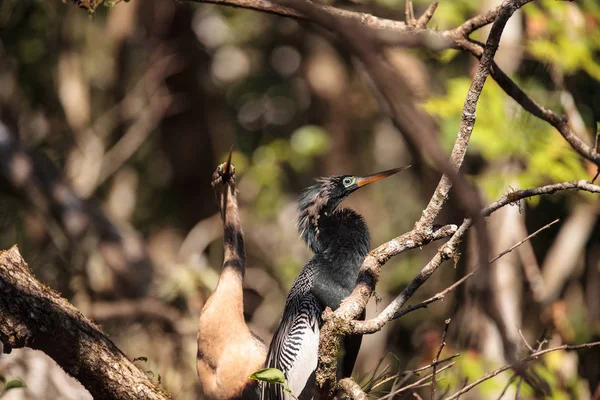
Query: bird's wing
[{"x": 295, "y": 346}]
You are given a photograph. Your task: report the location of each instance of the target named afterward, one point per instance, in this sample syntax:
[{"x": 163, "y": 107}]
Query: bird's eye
[{"x": 348, "y": 181}]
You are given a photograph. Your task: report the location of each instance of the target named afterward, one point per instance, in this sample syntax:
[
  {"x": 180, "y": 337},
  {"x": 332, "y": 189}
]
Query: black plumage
[{"x": 339, "y": 238}]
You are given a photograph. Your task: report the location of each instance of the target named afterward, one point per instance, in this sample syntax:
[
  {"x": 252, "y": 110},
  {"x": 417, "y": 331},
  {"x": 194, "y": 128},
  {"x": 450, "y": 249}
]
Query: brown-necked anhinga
[
  {"x": 339, "y": 238},
  {"x": 228, "y": 352}
]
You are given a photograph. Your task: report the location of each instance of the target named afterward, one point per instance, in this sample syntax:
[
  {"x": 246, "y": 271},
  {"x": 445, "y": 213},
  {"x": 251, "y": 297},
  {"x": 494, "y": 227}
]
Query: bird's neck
[
  {"x": 344, "y": 239},
  {"x": 342, "y": 233},
  {"x": 312, "y": 211},
  {"x": 234, "y": 261}
]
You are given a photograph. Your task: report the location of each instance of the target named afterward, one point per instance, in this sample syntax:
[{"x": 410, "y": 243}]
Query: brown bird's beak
[
  {"x": 365, "y": 180},
  {"x": 226, "y": 166}
]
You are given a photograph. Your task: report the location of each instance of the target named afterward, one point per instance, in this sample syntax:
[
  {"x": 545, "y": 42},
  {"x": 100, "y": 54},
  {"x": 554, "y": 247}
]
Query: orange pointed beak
[{"x": 365, "y": 180}]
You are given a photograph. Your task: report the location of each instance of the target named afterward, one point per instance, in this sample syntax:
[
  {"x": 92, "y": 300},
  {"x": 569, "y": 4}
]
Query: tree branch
[
  {"x": 352, "y": 389},
  {"x": 448, "y": 250},
  {"x": 32, "y": 315},
  {"x": 458, "y": 37},
  {"x": 437, "y": 357}
]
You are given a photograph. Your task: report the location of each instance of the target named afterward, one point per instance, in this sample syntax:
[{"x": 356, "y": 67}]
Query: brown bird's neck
[{"x": 234, "y": 262}]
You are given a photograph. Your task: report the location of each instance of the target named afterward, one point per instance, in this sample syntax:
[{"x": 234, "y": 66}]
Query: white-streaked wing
[
  {"x": 295, "y": 346},
  {"x": 302, "y": 345}
]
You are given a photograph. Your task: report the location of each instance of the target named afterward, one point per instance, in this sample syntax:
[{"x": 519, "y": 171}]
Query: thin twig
[
  {"x": 517, "y": 395},
  {"x": 524, "y": 240},
  {"x": 415, "y": 384},
  {"x": 530, "y": 357},
  {"x": 426, "y": 17},
  {"x": 510, "y": 381},
  {"x": 416, "y": 371},
  {"x": 531, "y": 350},
  {"x": 409, "y": 374},
  {"x": 437, "y": 357},
  {"x": 596, "y": 176},
  {"x": 409, "y": 13}
]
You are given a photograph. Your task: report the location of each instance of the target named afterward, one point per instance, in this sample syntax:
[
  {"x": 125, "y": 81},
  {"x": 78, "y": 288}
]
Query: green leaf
[
  {"x": 271, "y": 375},
  {"x": 13, "y": 384}
]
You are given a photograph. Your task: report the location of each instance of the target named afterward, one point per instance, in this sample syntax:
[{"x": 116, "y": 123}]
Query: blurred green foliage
[
  {"x": 505, "y": 133},
  {"x": 569, "y": 49},
  {"x": 266, "y": 167}
]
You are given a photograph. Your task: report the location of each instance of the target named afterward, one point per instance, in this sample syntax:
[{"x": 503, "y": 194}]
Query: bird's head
[{"x": 322, "y": 199}]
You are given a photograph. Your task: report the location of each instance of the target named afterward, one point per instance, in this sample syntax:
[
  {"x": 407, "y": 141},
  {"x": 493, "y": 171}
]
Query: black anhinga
[{"x": 339, "y": 238}]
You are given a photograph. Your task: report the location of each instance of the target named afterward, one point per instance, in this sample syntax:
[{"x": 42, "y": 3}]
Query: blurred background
[{"x": 117, "y": 121}]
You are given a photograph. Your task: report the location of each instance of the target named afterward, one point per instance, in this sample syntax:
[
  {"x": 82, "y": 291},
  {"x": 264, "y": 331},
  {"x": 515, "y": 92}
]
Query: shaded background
[{"x": 117, "y": 122}]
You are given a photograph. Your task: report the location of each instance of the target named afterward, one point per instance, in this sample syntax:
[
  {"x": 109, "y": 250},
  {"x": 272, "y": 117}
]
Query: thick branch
[{"x": 32, "y": 315}]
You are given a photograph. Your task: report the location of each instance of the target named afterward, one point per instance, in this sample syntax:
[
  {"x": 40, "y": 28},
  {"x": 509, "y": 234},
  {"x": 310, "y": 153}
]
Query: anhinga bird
[
  {"x": 228, "y": 352},
  {"x": 339, "y": 238}
]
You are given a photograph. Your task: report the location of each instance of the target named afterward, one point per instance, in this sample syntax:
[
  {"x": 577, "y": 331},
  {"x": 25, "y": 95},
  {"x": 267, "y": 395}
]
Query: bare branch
[
  {"x": 560, "y": 122},
  {"x": 352, "y": 389},
  {"x": 531, "y": 350},
  {"x": 446, "y": 252},
  {"x": 409, "y": 13},
  {"x": 434, "y": 363},
  {"x": 415, "y": 384},
  {"x": 468, "y": 114},
  {"x": 510, "y": 381},
  {"x": 511, "y": 248},
  {"x": 437, "y": 357},
  {"x": 515, "y": 196},
  {"x": 426, "y": 17}
]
